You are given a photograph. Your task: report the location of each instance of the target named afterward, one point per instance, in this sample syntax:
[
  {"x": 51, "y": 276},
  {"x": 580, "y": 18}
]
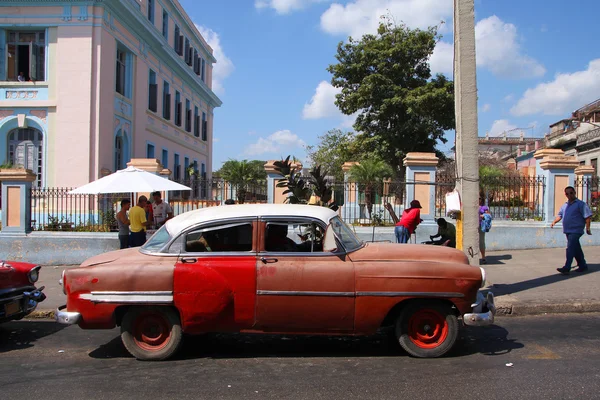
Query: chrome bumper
[
  {"x": 66, "y": 317},
  {"x": 484, "y": 311}
]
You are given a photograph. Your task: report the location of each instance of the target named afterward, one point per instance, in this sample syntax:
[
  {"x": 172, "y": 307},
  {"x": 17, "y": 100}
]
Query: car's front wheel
[
  {"x": 151, "y": 333},
  {"x": 427, "y": 329}
]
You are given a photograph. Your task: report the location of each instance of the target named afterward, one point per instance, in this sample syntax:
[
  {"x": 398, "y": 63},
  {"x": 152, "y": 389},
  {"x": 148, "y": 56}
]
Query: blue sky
[{"x": 537, "y": 62}]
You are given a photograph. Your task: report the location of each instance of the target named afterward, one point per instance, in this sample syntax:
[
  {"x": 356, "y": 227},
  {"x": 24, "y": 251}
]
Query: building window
[
  {"x": 26, "y": 56},
  {"x": 188, "y": 116},
  {"x": 152, "y": 92},
  {"x": 118, "y": 151},
  {"x": 177, "y": 108},
  {"x": 204, "y": 127},
  {"x": 25, "y": 148},
  {"x": 203, "y": 70},
  {"x": 186, "y": 166},
  {"x": 178, "y": 41},
  {"x": 124, "y": 70},
  {"x": 196, "y": 63},
  {"x": 186, "y": 50},
  {"x": 176, "y": 167},
  {"x": 165, "y": 158},
  {"x": 196, "y": 122},
  {"x": 165, "y": 25},
  {"x": 594, "y": 163},
  {"x": 150, "y": 150},
  {"x": 151, "y": 11},
  {"x": 166, "y": 101}
]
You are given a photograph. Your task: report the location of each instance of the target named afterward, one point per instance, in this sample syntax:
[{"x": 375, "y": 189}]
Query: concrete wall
[{"x": 65, "y": 248}]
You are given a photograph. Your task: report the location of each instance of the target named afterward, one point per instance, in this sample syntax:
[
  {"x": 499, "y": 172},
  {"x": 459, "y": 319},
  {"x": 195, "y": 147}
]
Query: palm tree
[
  {"x": 369, "y": 174},
  {"x": 242, "y": 174}
]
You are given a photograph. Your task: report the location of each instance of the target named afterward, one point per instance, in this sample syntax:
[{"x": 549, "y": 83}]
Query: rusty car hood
[
  {"x": 132, "y": 255},
  {"x": 408, "y": 252}
]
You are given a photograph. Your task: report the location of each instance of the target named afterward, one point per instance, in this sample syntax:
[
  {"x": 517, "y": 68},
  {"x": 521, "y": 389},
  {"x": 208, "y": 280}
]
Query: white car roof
[{"x": 191, "y": 218}]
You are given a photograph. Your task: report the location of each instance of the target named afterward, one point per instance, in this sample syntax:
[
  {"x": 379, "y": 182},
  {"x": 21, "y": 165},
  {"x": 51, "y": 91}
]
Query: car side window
[
  {"x": 221, "y": 238},
  {"x": 294, "y": 236}
]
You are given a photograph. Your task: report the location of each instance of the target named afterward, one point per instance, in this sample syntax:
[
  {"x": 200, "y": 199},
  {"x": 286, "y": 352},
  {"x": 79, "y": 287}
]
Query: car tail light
[{"x": 34, "y": 274}]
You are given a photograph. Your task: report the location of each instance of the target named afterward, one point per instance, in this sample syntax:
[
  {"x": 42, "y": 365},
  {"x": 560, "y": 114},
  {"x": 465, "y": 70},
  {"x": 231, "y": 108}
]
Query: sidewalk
[{"x": 524, "y": 282}]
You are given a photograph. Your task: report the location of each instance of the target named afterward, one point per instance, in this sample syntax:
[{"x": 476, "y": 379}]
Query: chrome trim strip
[
  {"x": 409, "y": 294},
  {"x": 158, "y": 297},
  {"x": 302, "y": 293}
]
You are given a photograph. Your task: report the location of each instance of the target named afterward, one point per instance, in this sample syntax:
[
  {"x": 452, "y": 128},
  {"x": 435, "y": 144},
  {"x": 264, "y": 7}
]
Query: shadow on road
[
  {"x": 21, "y": 335},
  {"x": 500, "y": 289},
  {"x": 488, "y": 341},
  {"x": 498, "y": 260}
]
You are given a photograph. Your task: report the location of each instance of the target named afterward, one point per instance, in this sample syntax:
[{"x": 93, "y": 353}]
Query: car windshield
[
  {"x": 345, "y": 234},
  {"x": 158, "y": 240}
]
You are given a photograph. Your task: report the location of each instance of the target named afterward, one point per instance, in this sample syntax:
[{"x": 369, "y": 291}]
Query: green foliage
[
  {"x": 299, "y": 189},
  {"x": 386, "y": 79},
  {"x": 370, "y": 174},
  {"x": 335, "y": 148},
  {"x": 242, "y": 174},
  {"x": 7, "y": 166}
]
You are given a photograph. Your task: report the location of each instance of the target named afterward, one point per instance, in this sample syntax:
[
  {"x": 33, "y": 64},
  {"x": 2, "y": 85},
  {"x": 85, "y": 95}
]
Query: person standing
[
  {"x": 138, "y": 222},
  {"x": 483, "y": 209},
  {"x": 411, "y": 217},
  {"x": 123, "y": 224},
  {"x": 576, "y": 215},
  {"x": 161, "y": 210}
]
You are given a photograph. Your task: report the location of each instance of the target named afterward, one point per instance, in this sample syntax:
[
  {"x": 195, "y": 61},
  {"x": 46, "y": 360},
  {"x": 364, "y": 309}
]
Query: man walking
[
  {"x": 575, "y": 215},
  {"x": 138, "y": 222}
]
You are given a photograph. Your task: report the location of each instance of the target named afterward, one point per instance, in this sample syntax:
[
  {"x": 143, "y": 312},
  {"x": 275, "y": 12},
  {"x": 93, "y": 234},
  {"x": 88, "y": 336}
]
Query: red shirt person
[{"x": 411, "y": 217}]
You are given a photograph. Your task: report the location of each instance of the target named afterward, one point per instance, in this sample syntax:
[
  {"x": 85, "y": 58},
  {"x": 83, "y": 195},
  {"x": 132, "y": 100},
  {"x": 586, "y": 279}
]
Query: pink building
[{"x": 87, "y": 87}]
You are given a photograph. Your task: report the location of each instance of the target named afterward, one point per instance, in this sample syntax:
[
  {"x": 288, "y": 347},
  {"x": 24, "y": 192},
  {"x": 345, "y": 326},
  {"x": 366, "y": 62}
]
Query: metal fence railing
[
  {"x": 588, "y": 190},
  {"x": 516, "y": 198},
  {"x": 54, "y": 209},
  {"x": 365, "y": 204}
]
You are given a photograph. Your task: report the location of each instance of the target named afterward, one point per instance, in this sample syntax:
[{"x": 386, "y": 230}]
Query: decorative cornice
[
  {"x": 421, "y": 159},
  {"x": 17, "y": 175},
  {"x": 584, "y": 170},
  {"x": 147, "y": 164},
  {"x": 559, "y": 162},
  {"x": 547, "y": 153},
  {"x": 348, "y": 165}
]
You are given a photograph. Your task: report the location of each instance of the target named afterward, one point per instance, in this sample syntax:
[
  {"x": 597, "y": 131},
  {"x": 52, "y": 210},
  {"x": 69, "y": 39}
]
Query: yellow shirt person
[{"x": 138, "y": 223}]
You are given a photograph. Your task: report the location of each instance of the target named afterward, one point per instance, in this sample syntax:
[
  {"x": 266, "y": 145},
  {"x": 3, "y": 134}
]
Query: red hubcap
[
  {"x": 151, "y": 331},
  {"x": 427, "y": 328}
]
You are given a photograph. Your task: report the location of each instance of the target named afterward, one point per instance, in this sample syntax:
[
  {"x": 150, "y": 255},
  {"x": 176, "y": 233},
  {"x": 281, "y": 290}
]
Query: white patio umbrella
[{"x": 129, "y": 180}]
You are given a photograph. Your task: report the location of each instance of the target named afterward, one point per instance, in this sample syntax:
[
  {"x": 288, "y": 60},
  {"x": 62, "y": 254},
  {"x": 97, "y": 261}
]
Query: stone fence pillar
[
  {"x": 584, "y": 174},
  {"x": 558, "y": 170},
  {"x": 16, "y": 200},
  {"x": 420, "y": 181}
]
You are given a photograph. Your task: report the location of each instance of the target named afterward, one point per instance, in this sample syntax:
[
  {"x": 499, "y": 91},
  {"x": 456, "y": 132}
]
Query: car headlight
[
  {"x": 483, "y": 283},
  {"x": 34, "y": 274}
]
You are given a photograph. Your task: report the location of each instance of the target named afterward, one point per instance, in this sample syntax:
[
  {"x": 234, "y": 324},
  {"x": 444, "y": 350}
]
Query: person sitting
[
  {"x": 446, "y": 233},
  {"x": 277, "y": 240}
]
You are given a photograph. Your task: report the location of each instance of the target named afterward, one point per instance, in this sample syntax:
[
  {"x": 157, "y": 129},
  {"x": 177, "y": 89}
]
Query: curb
[
  {"x": 523, "y": 309},
  {"x": 502, "y": 310}
]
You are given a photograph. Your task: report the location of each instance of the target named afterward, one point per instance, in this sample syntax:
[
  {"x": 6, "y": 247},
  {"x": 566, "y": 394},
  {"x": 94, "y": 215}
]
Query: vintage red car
[
  {"x": 293, "y": 269},
  {"x": 18, "y": 294}
]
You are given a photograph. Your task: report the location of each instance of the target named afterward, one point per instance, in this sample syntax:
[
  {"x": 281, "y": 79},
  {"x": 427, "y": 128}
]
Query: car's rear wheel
[
  {"x": 427, "y": 329},
  {"x": 151, "y": 333}
]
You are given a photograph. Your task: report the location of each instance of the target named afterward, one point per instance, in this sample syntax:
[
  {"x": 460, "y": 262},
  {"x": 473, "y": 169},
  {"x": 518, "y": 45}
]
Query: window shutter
[
  {"x": 178, "y": 114},
  {"x": 204, "y": 131},
  {"x": 153, "y": 97},
  {"x": 33, "y": 57},
  {"x": 197, "y": 126},
  {"x": 180, "y": 47},
  {"x": 188, "y": 120}
]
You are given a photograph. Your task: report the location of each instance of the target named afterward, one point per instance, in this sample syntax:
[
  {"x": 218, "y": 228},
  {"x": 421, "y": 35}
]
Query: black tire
[
  {"x": 427, "y": 329},
  {"x": 151, "y": 333}
]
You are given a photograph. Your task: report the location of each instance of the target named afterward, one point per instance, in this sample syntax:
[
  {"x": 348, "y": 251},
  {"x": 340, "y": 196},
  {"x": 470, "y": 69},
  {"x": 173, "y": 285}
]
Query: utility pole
[{"x": 465, "y": 106}]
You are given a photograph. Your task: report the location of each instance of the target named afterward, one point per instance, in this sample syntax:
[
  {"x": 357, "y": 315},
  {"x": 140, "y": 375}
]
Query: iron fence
[
  {"x": 366, "y": 204},
  {"x": 516, "y": 198},
  {"x": 444, "y": 184},
  {"x": 54, "y": 209},
  {"x": 588, "y": 190}
]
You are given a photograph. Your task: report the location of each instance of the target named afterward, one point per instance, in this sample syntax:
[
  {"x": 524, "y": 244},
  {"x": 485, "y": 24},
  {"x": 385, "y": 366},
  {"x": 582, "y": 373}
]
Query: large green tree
[
  {"x": 242, "y": 175},
  {"x": 386, "y": 79},
  {"x": 334, "y": 149}
]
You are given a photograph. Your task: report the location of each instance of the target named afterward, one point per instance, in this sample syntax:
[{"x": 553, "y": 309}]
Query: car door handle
[
  {"x": 268, "y": 260},
  {"x": 189, "y": 260}
]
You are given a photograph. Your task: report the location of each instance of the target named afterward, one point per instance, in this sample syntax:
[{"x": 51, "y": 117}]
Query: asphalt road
[{"x": 550, "y": 357}]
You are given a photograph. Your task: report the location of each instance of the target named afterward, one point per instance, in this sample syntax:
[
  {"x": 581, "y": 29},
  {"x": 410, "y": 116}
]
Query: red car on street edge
[{"x": 18, "y": 294}]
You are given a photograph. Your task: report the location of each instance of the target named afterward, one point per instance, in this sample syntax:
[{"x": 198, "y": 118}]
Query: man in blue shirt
[{"x": 576, "y": 216}]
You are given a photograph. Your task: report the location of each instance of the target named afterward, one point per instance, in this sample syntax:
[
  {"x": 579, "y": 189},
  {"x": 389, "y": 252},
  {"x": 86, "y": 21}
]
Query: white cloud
[
  {"x": 508, "y": 98},
  {"x": 285, "y": 6},
  {"x": 223, "y": 67},
  {"x": 500, "y": 126},
  {"x": 279, "y": 142},
  {"x": 322, "y": 103},
  {"x": 486, "y": 107},
  {"x": 499, "y": 51},
  {"x": 442, "y": 59},
  {"x": 563, "y": 95}
]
